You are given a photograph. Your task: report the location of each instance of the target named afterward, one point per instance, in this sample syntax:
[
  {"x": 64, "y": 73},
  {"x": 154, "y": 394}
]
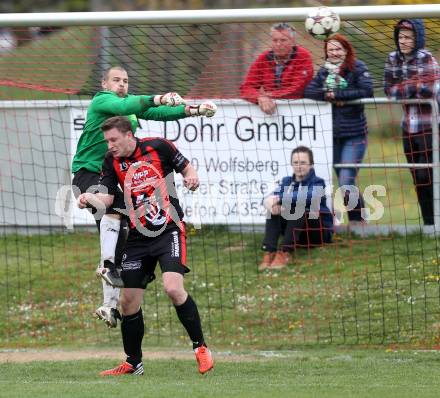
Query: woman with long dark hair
[{"x": 343, "y": 78}]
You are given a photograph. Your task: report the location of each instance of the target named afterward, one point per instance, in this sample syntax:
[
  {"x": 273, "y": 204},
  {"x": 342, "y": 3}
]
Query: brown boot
[
  {"x": 281, "y": 260},
  {"x": 267, "y": 260}
]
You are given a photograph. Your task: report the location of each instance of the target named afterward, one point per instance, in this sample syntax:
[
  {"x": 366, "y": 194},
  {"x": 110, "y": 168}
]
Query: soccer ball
[{"x": 322, "y": 22}]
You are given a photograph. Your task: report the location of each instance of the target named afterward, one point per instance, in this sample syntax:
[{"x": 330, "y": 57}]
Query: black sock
[
  {"x": 188, "y": 314},
  {"x": 132, "y": 328}
]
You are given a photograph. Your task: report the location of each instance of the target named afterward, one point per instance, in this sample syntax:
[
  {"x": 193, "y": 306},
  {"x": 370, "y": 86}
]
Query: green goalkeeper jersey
[{"x": 92, "y": 147}]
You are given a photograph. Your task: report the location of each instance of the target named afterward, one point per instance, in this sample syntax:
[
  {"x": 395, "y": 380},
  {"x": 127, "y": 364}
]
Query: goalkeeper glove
[
  {"x": 207, "y": 109},
  {"x": 168, "y": 99}
]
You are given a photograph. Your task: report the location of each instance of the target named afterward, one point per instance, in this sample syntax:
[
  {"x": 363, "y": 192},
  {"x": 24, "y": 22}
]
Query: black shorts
[
  {"x": 140, "y": 257},
  {"x": 84, "y": 179}
]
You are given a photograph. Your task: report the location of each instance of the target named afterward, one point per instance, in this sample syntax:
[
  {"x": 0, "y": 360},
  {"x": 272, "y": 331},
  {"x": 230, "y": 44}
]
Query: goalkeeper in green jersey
[{"x": 114, "y": 100}]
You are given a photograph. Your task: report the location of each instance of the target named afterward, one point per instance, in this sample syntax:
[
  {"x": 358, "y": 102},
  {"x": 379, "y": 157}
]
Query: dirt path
[{"x": 67, "y": 355}]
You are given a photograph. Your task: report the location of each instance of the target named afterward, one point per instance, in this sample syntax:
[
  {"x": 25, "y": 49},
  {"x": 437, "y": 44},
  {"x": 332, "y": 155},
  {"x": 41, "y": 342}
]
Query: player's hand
[
  {"x": 190, "y": 177},
  {"x": 266, "y": 104},
  {"x": 171, "y": 99},
  {"x": 83, "y": 200},
  {"x": 207, "y": 108},
  {"x": 191, "y": 182}
]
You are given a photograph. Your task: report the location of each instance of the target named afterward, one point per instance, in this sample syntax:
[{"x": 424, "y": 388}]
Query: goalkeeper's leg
[
  {"x": 109, "y": 236},
  {"x": 110, "y": 228},
  {"x": 108, "y": 311}
]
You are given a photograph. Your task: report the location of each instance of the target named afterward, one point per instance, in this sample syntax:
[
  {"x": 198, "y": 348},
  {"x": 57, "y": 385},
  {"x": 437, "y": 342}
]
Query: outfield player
[
  {"x": 144, "y": 168},
  {"x": 86, "y": 167}
]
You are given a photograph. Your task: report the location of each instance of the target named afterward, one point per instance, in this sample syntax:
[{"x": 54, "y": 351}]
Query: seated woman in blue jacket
[
  {"x": 297, "y": 211},
  {"x": 344, "y": 78}
]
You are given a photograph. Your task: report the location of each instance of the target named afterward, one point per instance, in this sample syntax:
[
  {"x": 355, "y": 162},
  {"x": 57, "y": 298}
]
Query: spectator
[
  {"x": 344, "y": 78},
  {"x": 411, "y": 72},
  {"x": 297, "y": 211},
  {"x": 279, "y": 73}
]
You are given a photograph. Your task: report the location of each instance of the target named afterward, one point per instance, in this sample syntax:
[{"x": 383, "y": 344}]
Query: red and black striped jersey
[{"x": 147, "y": 179}]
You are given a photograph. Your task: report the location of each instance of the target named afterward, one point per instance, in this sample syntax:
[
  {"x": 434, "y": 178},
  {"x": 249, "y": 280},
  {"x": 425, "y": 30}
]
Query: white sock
[
  {"x": 109, "y": 231},
  {"x": 111, "y": 295}
]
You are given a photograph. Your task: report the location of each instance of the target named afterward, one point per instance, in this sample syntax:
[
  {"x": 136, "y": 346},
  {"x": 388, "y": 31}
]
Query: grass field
[
  {"x": 360, "y": 291},
  {"x": 374, "y": 290},
  {"x": 302, "y": 373}
]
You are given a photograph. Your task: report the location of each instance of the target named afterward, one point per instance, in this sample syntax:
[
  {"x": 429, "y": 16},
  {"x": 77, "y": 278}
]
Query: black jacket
[{"x": 348, "y": 120}]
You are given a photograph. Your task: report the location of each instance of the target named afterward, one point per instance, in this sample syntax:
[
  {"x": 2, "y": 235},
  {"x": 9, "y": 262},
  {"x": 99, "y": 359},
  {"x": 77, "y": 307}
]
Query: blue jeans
[{"x": 350, "y": 150}]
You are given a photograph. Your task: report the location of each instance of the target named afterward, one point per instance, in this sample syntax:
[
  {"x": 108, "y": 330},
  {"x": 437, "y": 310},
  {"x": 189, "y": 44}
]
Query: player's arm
[
  {"x": 135, "y": 104},
  {"x": 180, "y": 164},
  {"x": 164, "y": 113},
  {"x": 111, "y": 104},
  {"x": 108, "y": 185},
  {"x": 96, "y": 200},
  {"x": 190, "y": 177}
]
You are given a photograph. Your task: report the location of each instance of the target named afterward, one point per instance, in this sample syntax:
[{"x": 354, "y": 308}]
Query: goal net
[{"x": 376, "y": 283}]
